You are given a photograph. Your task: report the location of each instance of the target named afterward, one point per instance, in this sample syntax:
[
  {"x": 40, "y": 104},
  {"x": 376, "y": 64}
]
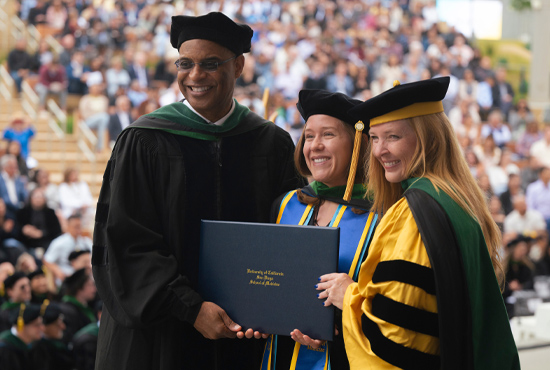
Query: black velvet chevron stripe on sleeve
[
  {"x": 405, "y": 272},
  {"x": 394, "y": 353},
  {"x": 405, "y": 316}
]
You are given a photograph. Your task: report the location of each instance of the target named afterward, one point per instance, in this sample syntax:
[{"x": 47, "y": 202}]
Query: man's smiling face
[{"x": 209, "y": 93}]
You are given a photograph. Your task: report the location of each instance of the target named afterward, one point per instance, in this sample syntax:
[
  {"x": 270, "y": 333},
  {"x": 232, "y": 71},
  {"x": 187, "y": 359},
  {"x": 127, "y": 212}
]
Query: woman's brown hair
[
  {"x": 300, "y": 160},
  {"x": 67, "y": 173},
  {"x": 301, "y": 165}
]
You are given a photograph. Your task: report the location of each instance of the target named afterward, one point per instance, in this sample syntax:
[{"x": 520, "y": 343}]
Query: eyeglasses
[
  {"x": 35, "y": 324},
  {"x": 208, "y": 66}
]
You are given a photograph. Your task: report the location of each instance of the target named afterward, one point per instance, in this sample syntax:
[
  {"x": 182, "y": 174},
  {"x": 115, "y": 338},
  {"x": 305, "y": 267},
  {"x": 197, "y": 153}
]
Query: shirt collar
[
  {"x": 218, "y": 122},
  {"x": 6, "y": 176}
]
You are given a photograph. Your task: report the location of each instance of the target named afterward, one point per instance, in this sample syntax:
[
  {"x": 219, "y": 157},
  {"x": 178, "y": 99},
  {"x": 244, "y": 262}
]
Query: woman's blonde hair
[{"x": 438, "y": 158}]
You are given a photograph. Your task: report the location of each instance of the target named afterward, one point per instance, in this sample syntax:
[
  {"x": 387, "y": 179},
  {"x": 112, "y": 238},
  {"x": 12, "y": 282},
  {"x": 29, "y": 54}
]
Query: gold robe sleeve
[{"x": 389, "y": 278}]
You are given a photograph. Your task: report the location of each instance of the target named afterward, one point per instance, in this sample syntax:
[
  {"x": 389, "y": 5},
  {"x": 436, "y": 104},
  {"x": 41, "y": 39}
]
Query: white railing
[
  {"x": 51, "y": 41},
  {"x": 34, "y": 37},
  {"x": 30, "y": 32},
  {"x": 6, "y": 86},
  {"x": 56, "y": 119},
  {"x": 4, "y": 18},
  {"x": 87, "y": 141},
  {"x": 19, "y": 29},
  {"x": 57, "y": 122},
  {"x": 87, "y": 135},
  {"x": 29, "y": 100}
]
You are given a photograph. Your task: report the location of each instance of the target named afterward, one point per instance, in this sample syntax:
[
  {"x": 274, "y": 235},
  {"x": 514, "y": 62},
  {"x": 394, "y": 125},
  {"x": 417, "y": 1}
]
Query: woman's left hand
[
  {"x": 305, "y": 340},
  {"x": 333, "y": 288}
]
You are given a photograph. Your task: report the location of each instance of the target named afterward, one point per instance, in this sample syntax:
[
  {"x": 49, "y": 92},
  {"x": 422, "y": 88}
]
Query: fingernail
[
  {"x": 317, "y": 295},
  {"x": 316, "y": 286},
  {"x": 323, "y": 303},
  {"x": 319, "y": 279}
]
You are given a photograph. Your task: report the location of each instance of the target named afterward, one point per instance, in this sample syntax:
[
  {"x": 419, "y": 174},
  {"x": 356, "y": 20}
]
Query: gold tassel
[
  {"x": 265, "y": 100},
  {"x": 50, "y": 279},
  {"x": 20, "y": 320},
  {"x": 359, "y": 126},
  {"x": 44, "y": 306},
  {"x": 2, "y": 287},
  {"x": 273, "y": 116}
]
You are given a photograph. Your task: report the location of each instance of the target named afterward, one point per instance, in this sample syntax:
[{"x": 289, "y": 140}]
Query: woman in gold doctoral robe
[{"x": 428, "y": 293}]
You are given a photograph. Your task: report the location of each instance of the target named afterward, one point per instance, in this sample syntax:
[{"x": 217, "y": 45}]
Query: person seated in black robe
[
  {"x": 50, "y": 353},
  {"x": 39, "y": 287},
  {"x": 519, "y": 271},
  {"x": 79, "y": 289},
  {"x": 18, "y": 290},
  {"x": 85, "y": 343},
  {"x": 14, "y": 346}
]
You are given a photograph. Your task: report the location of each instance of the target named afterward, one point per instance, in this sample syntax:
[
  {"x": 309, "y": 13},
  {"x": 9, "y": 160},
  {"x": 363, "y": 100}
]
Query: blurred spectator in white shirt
[
  {"x": 75, "y": 196},
  {"x": 522, "y": 219},
  {"x": 495, "y": 126},
  {"x": 540, "y": 150}
]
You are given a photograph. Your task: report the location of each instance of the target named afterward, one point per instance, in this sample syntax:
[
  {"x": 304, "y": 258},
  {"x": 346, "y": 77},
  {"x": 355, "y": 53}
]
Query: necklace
[{"x": 316, "y": 213}]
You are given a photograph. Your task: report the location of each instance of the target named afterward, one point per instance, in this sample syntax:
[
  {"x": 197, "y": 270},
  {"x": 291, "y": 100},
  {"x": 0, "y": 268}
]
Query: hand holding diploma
[
  {"x": 333, "y": 288},
  {"x": 252, "y": 334},
  {"x": 214, "y": 323},
  {"x": 305, "y": 340}
]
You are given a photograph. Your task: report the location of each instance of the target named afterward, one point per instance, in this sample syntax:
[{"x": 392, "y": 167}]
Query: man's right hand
[{"x": 213, "y": 323}]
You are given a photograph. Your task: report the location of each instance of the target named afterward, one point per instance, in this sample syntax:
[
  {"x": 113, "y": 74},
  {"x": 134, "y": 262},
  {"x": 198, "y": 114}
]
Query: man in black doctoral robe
[{"x": 207, "y": 157}]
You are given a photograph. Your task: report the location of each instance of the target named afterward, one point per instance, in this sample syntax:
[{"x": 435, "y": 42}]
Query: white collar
[
  {"x": 218, "y": 122},
  {"x": 7, "y": 177}
]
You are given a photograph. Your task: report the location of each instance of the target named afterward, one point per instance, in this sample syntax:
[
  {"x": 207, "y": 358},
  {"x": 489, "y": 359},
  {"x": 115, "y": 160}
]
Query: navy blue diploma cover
[{"x": 264, "y": 275}]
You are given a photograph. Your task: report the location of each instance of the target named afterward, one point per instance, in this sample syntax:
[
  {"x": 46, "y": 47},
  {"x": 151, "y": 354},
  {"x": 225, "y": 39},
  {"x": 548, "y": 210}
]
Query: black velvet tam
[
  {"x": 76, "y": 280},
  {"x": 31, "y": 312},
  {"x": 12, "y": 279},
  {"x": 401, "y": 96},
  {"x": 51, "y": 314},
  {"x": 215, "y": 27},
  {"x": 35, "y": 273},
  {"x": 337, "y": 105},
  {"x": 75, "y": 254},
  {"x": 520, "y": 238}
]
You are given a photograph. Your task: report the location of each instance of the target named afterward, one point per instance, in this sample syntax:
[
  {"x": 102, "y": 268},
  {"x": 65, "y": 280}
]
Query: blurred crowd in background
[{"x": 117, "y": 64}]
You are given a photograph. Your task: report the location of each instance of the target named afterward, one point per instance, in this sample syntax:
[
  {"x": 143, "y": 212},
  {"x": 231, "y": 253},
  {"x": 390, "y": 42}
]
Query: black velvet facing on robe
[
  {"x": 394, "y": 353},
  {"x": 405, "y": 272},
  {"x": 452, "y": 296},
  {"x": 405, "y": 316}
]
